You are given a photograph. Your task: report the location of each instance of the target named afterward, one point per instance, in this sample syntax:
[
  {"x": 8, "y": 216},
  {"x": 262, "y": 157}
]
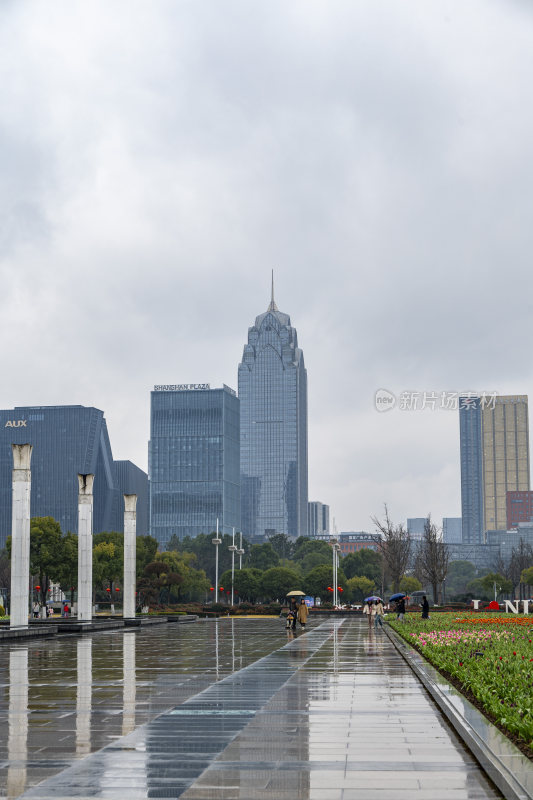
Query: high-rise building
[
  {"x": 452, "y": 530},
  {"x": 66, "y": 440},
  {"x": 317, "y": 518},
  {"x": 193, "y": 461},
  {"x": 519, "y": 508},
  {"x": 494, "y": 438},
  {"x": 273, "y": 395},
  {"x": 133, "y": 480},
  {"x": 415, "y": 528}
]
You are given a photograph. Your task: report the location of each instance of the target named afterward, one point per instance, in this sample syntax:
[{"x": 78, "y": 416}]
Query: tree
[
  {"x": 396, "y": 547},
  {"x": 67, "y": 576},
  {"x": 493, "y": 579},
  {"x": 360, "y": 587},
  {"x": 365, "y": 562},
  {"x": 247, "y": 584},
  {"x": 527, "y": 576},
  {"x": 108, "y": 565},
  {"x": 276, "y": 582},
  {"x": 146, "y": 549},
  {"x": 432, "y": 559},
  {"x": 460, "y": 573},
  {"x": 203, "y": 548},
  {"x": 316, "y": 582},
  {"x": 283, "y": 545},
  {"x": 263, "y": 556},
  {"x": 521, "y": 559},
  {"x": 408, "y": 584},
  {"x": 45, "y": 551}
]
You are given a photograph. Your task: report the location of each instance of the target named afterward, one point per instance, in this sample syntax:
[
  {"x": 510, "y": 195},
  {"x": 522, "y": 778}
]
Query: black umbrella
[{"x": 397, "y": 596}]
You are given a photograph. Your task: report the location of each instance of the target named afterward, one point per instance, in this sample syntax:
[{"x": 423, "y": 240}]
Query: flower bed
[{"x": 489, "y": 658}]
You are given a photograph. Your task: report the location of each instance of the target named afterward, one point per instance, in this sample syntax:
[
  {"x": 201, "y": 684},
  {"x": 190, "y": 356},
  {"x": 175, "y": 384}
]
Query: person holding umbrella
[
  {"x": 399, "y": 599},
  {"x": 293, "y": 610},
  {"x": 378, "y": 613},
  {"x": 303, "y": 613}
]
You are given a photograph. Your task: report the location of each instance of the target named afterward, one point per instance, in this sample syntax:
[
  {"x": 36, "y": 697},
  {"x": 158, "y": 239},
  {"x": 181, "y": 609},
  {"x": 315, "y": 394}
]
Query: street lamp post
[
  {"x": 232, "y": 549},
  {"x": 240, "y": 551},
  {"x": 216, "y": 541},
  {"x": 335, "y": 547}
]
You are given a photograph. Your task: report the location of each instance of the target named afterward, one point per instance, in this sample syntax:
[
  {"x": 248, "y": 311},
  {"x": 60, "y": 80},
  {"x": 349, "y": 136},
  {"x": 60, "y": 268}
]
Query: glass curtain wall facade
[
  {"x": 317, "y": 518},
  {"x": 66, "y": 440},
  {"x": 273, "y": 395},
  {"x": 193, "y": 462},
  {"x": 471, "y": 471},
  {"x": 133, "y": 480},
  {"x": 494, "y": 460}
]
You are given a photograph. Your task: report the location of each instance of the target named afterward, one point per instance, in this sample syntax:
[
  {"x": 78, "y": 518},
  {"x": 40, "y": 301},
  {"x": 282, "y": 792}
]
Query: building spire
[{"x": 272, "y": 306}]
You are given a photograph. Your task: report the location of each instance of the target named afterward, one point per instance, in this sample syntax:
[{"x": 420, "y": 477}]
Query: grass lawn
[{"x": 487, "y": 656}]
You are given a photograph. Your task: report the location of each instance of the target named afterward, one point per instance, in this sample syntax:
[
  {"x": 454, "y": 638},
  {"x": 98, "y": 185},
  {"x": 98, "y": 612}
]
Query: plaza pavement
[{"x": 224, "y": 709}]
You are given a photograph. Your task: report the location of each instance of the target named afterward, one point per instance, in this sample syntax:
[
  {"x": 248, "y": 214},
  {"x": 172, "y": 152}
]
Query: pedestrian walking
[
  {"x": 400, "y": 609},
  {"x": 368, "y": 609},
  {"x": 302, "y": 614},
  {"x": 378, "y": 614},
  {"x": 425, "y": 608}
]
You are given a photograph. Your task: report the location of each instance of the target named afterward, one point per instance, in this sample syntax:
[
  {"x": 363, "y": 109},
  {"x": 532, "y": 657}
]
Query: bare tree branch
[{"x": 396, "y": 547}]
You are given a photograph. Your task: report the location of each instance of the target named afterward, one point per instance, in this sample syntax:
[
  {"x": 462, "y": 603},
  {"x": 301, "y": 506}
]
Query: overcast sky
[{"x": 159, "y": 158}]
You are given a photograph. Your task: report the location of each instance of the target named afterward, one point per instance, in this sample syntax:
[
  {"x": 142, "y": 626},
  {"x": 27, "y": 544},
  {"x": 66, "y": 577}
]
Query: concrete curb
[{"x": 506, "y": 766}]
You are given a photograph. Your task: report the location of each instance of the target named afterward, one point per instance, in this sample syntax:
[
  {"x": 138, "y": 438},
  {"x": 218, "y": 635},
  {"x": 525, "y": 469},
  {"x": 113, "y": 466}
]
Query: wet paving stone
[{"x": 225, "y": 709}]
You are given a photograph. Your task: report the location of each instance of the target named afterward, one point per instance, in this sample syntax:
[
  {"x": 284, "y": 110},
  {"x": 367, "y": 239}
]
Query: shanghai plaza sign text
[{"x": 182, "y": 387}]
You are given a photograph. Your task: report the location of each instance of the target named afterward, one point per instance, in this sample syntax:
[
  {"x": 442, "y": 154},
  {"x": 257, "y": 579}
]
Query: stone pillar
[
  {"x": 84, "y": 695},
  {"x": 17, "y": 721},
  {"x": 129, "y": 685},
  {"x": 20, "y": 535},
  {"x": 85, "y": 548},
  {"x": 130, "y": 555}
]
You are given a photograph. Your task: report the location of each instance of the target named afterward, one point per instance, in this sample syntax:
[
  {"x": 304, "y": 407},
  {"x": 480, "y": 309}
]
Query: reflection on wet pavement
[{"x": 226, "y": 709}]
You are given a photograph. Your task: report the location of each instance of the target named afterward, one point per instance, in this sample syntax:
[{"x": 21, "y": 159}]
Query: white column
[
  {"x": 85, "y": 547},
  {"x": 129, "y": 685},
  {"x": 84, "y": 690},
  {"x": 17, "y": 732},
  {"x": 130, "y": 555},
  {"x": 20, "y": 535}
]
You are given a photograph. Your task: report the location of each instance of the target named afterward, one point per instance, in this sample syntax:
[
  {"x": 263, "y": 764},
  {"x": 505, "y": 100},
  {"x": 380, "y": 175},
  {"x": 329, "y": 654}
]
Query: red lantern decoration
[
  {"x": 38, "y": 588},
  {"x": 221, "y": 588},
  {"x": 108, "y": 590},
  {"x": 117, "y": 589},
  {"x": 340, "y": 588},
  {"x": 330, "y": 588},
  {"x": 211, "y": 588}
]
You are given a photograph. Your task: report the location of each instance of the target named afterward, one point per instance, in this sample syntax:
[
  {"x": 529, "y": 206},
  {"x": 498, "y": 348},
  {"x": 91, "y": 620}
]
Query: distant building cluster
[{"x": 496, "y": 499}]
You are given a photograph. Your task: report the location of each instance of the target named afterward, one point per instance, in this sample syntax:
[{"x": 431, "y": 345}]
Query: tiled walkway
[{"x": 226, "y": 709}]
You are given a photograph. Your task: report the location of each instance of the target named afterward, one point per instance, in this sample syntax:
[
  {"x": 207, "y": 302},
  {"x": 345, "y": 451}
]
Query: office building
[
  {"x": 66, "y": 440},
  {"x": 317, "y": 519},
  {"x": 452, "y": 530},
  {"x": 415, "y": 528},
  {"x": 193, "y": 461},
  {"x": 494, "y": 437},
  {"x": 273, "y": 396},
  {"x": 519, "y": 508},
  {"x": 352, "y": 541},
  {"x": 131, "y": 479}
]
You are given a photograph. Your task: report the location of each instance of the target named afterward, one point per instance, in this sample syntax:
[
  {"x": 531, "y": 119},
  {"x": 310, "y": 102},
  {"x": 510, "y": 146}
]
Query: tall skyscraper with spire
[{"x": 273, "y": 397}]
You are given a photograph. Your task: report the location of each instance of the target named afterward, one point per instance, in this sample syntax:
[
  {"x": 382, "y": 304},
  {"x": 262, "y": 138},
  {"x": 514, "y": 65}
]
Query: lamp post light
[
  {"x": 216, "y": 541},
  {"x": 240, "y": 551},
  {"x": 232, "y": 548},
  {"x": 335, "y": 547}
]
